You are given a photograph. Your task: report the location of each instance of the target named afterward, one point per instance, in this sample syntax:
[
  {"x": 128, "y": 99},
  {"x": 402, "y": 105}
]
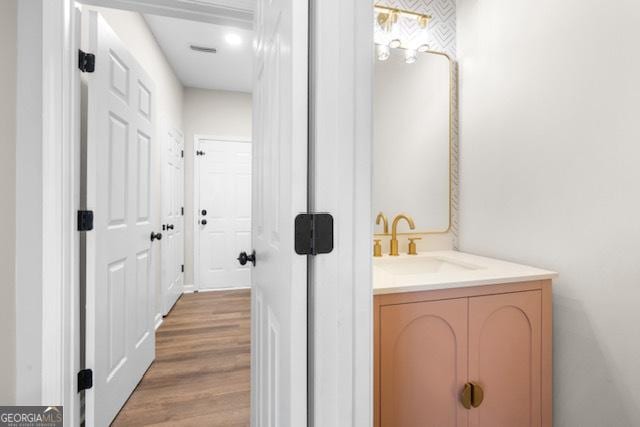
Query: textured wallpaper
[{"x": 441, "y": 33}]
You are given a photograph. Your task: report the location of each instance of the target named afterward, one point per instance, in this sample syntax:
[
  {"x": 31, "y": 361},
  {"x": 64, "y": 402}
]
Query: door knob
[
  {"x": 204, "y": 212},
  {"x": 170, "y": 226},
  {"x": 243, "y": 258},
  {"x": 203, "y": 222},
  {"x": 156, "y": 236}
]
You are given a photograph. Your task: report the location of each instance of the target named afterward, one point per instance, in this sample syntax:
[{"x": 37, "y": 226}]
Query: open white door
[
  {"x": 120, "y": 339},
  {"x": 279, "y": 279},
  {"x": 172, "y": 221}
]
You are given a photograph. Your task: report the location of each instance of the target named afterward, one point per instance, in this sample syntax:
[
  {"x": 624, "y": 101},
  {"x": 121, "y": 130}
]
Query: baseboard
[
  {"x": 158, "y": 320},
  {"x": 238, "y": 288},
  {"x": 189, "y": 289}
]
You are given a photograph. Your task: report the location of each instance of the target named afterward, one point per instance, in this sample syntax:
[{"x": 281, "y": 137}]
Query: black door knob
[
  {"x": 203, "y": 222},
  {"x": 170, "y": 226},
  {"x": 204, "y": 212},
  {"x": 156, "y": 236},
  {"x": 243, "y": 258}
]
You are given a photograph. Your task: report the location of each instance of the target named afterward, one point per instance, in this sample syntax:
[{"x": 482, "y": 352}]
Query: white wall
[
  {"x": 8, "y": 64},
  {"x": 136, "y": 35},
  {"x": 549, "y": 150},
  {"x": 216, "y": 113}
]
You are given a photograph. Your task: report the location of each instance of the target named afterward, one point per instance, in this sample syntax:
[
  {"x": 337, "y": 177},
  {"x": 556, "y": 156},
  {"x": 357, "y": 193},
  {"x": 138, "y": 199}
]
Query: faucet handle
[
  {"x": 377, "y": 248},
  {"x": 413, "y": 250}
]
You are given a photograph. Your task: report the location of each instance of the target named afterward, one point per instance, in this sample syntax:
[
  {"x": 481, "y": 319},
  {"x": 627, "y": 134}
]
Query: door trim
[{"x": 197, "y": 286}]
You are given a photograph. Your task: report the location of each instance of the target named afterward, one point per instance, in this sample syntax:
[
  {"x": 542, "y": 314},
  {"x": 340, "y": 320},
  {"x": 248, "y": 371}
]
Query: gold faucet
[
  {"x": 385, "y": 223},
  {"x": 394, "y": 231}
]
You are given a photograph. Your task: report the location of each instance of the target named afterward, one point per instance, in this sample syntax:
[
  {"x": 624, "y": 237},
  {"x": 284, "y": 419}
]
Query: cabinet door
[
  {"x": 423, "y": 363},
  {"x": 505, "y": 358}
]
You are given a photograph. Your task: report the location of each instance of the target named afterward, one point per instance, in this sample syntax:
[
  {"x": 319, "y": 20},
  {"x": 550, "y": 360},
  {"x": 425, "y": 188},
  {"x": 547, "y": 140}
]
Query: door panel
[
  {"x": 423, "y": 364},
  {"x": 120, "y": 294},
  {"x": 225, "y": 196},
  {"x": 505, "y": 358},
  {"x": 173, "y": 222},
  {"x": 279, "y": 279}
]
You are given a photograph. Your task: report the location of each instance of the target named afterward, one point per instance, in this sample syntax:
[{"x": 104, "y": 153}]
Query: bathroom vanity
[{"x": 461, "y": 340}]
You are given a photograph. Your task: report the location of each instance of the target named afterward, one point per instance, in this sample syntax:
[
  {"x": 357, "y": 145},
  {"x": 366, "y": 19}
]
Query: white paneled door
[
  {"x": 172, "y": 221},
  {"x": 223, "y": 213},
  {"x": 120, "y": 299},
  {"x": 279, "y": 278}
]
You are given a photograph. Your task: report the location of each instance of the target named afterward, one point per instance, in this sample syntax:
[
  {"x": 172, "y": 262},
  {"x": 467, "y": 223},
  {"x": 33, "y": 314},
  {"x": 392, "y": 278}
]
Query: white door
[
  {"x": 172, "y": 221},
  {"x": 279, "y": 279},
  {"x": 223, "y": 212},
  {"x": 120, "y": 339}
]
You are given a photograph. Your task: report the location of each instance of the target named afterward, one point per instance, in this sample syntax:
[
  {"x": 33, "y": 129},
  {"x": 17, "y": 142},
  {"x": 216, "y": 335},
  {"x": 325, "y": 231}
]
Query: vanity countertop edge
[{"x": 488, "y": 271}]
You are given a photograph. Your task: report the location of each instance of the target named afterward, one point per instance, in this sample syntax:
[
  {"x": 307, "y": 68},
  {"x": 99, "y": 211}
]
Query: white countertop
[{"x": 446, "y": 270}]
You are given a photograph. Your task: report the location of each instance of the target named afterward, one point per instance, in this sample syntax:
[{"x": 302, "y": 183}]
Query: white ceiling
[{"x": 228, "y": 69}]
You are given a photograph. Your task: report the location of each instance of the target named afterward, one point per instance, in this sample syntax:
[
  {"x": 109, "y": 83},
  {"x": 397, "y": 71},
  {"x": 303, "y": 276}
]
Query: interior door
[
  {"x": 172, "y": 222},
  {"x": 223, "y": 212},
  {"x": 505, "y": 358},
  {"x": 279, "y": 295},
  {"x": 120, "y": 339}
]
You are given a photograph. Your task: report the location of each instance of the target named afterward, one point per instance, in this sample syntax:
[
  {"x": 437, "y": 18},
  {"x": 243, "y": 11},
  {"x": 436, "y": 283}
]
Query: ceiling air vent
[{"x": 203, "y": 49}]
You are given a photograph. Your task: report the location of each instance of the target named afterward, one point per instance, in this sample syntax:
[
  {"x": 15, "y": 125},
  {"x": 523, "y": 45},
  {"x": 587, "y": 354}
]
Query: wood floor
[{"x": 201, "y": 375}]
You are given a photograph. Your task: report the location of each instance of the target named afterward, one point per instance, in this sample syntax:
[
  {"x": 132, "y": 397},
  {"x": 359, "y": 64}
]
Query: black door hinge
[
  {"x": 86, "y": 62},
  {"x": 181, "y": 153},
  {"x": 182, "y": 211},
  {"x": 85, "y": 379},
  {"x": 182, "y": 268},
  {"x": 85, "y": 220},
  {"x": 313, "y": 234}
]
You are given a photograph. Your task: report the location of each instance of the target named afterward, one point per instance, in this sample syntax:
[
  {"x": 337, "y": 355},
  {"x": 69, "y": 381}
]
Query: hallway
[{"x": 201, "y": 375}]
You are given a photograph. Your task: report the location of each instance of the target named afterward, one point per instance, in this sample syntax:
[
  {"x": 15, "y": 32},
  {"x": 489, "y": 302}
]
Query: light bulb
[
  {"x": 395, "y": 43},
  {"x": 410, "y": 56},
  {"x": 233, "y": 39},
  {"x": 383, "y": 52},
  {"x": 424, "y": 48}
]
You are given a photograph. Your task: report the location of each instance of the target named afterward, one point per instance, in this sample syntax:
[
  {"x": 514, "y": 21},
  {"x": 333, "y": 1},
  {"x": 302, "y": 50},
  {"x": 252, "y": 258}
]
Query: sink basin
[{"x": 410, "y": 266}]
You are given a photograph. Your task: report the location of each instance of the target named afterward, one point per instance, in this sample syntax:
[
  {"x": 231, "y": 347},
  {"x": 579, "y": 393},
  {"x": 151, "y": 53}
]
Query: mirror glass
[{"x": 411, "y": 152}]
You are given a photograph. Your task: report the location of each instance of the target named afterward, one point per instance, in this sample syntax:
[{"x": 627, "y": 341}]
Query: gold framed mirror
[{"x": 413, "y": 139}]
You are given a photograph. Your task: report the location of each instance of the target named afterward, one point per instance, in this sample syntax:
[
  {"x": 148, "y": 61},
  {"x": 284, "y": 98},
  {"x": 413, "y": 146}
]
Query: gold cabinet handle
[
  {"x": 472, "y": 395},
  {"x": 465, "y": 396},
  {"x": 477, "y": 395}
]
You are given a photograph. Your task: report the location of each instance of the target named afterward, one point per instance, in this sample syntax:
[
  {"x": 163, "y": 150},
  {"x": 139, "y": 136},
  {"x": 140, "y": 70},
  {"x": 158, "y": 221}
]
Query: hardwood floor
[{"x": 201, "y": 375}]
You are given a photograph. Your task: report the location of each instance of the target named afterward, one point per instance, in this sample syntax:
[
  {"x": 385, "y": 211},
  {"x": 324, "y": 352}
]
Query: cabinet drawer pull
[
  {"x": 465, "y": 396},
  {"x": 477, "y": 395}
]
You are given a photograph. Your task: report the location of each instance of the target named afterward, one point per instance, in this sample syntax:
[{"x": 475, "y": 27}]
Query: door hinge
[
  {"x": 86, "y": 62},
  {"x": 313, "y": 234},
  {"x": 182, "y": 211},
  {"x": 85, "y": 220},
  {"x": 85, "y": 379},
  {"x": 182, "y": 268},
  {"x": 181, "y": 153}
]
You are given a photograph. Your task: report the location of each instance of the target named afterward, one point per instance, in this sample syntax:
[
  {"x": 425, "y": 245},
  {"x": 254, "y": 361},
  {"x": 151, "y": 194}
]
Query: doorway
[
  {"x": 155, "y": 85},
  {"x": 340, "y": 83}
]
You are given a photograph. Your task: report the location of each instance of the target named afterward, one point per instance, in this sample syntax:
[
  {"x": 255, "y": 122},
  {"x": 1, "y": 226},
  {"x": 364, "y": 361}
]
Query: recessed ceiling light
[
  {"x": 203, "y": 49},
  {"x": 233, "y": 39}
]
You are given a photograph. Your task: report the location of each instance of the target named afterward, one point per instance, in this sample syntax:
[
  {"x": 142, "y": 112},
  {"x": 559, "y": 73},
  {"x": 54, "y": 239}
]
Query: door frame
[
  {"x": 196, "y": 204},
  {"x": 47, "y": 170}
]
